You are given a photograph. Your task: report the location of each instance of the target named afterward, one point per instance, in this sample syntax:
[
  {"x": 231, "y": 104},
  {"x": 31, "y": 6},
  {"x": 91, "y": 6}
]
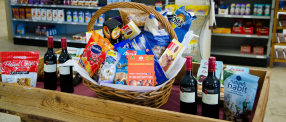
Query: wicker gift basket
[{"x": 155, "y": 98}]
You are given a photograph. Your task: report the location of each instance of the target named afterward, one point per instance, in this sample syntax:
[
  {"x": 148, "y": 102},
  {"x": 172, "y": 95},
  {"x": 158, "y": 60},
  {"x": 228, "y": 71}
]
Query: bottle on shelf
[
  {"x": 50, "y": 67},
  {"x": 66, "y": 73},
  {"x": 188, "y": 90},
  {"x": 211, "y": 92}
]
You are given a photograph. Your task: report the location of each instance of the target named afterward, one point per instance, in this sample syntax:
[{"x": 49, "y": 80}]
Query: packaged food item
[
  {"x": 25, "y": 1},
  {"x": 222, "y": 30},
  {"x": 174, "y": 50},
  {"x": 69, "y": 16},
  {"x": 38, "y": 14},
  {"x": 94, "y": 3},
  {"x": 239, "y": 95},
  {"x": 87, "y": 16},
  {"x": 80, "y": 52},
  {"x": 61, "y": 15},
  {"x": 259, "y": 9},
  {"x": 190, "y": 8},
  {"x": 267, "y": 10},
  {"x": 20, "y": 1},
  {"x": 80, "y": 2},
  {"x": 258, "y": 50},
  {"x": 247, "y": 9},
  {"x": 80, "y": 16},
  {"x": 28, "y": 13},
  {"x": 232, "y": 8},
  {"x": 38, "y": 31},
  {"x": 245, "y": 49},
  {"x": 20, "y": 30},
  {"x": 33, "y": 11},
  {"x": 49, "y": 15},
  {"x": 112, "y": 31},
  {"x": 237, "y": 9},
  {"x": 79, "y": 36},
  {"x": 146, "y": 75},
  {"x": 234, "y": 69},
  {"x": 55, "y": 15},
  {"x": 122, "y": 66},
  {"x": 202, "y": 10},
  {"x": 238, "y": 26},
  {"x": 108, "y": 70},
  {"x": 137, "y": 16},
  {"x": 43, "y": 14},
  {"x": 127, "y": 0},
  {"x": 22, "y": 13},
  {"x": 172, "y": 8},
  {"x": 75, "y": 16},
  {"x": 130, "y": 30},
  {"x": 255, "y": 9},
  {"x": 20, "y": 67},
  {"x": 242, "y": 9},
  {"x": 15, "y": 13},
  {"x": 181, "y": 23},
  {"x": 74, "y": 2},
  {"x": 258, "y": 23},
  {"x": 101, "y": 19},
  {"x": 73, "y": 51},
  {"x": 122, "y": 44},
  {"x": 262, "y": 31}
]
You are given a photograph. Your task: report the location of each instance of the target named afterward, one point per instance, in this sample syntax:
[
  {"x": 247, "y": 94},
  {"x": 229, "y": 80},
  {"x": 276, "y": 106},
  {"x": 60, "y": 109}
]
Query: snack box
[
  {"x": 22, "y": 13},
  {"x": 55, "y": 15},
  {"x": 38, "y": 14},
  {"x": 245, "y": 49},
  {"x": 258, "y": 50},
  {"x": 262, "y": 31},
  {"x": 222, "y": 30},
  {"x": 112, "y": 31},
  {"x": 237, "y": 30},
  {"x": 61, "y": 15},
  {"x": 248, "y": 30},
  {"x": 80, "y": 36},
  {"x": 15, "y": 13},
  {"x": 130, "y": 30},
  {"x": 28, "y": 13},
  {"x": 49, "y": 14},
  {"x": 43, "y": 14}
]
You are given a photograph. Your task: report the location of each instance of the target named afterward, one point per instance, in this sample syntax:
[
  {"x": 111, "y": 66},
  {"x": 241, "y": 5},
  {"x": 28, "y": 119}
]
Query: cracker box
[
  {"x": 146, "y": 75},
  {"x": 49, "y": 15},
  {"x": 258, "y": 50},
  {"x": 112, "y": 31},
  {"x": 245, "y": 49},
  {"x": 43, "y": 14},
  {"x": 28, "y": 13},
  {"x": 22, "y": 13},
  {"x": 38, "y": 14},
  {"x": 55, "y": 15},
  {"x": 61, "y": 15}
]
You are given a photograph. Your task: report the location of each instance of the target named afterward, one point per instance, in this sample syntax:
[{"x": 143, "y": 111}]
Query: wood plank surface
[{"x": 69, "y": 107}]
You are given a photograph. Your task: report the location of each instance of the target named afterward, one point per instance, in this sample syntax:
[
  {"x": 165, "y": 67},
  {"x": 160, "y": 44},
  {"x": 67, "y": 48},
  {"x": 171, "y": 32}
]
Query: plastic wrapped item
[{"x": 137, "y": 16}]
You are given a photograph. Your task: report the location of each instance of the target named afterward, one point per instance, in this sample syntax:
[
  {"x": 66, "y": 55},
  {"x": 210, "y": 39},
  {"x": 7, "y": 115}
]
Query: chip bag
[
  {"x": 20, "y": 67},
  {"x": 182, "y": 22},
  {"x": 94, "y": 53}
]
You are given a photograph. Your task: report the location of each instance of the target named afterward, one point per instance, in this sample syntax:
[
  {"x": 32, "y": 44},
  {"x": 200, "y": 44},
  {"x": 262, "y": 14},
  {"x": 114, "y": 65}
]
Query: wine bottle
[
  {"x": 66, "y": 73},
  {"x": 188, "y": 90},
  {"x": 211, "y": 92},
  {"x": 50, "y": 66}
]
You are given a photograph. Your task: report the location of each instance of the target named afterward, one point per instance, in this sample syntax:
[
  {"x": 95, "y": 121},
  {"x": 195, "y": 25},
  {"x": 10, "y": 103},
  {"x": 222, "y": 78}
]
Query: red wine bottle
[
  {"x": 188, "y": 90},
  {"x": 66, "y": 73},
  {"x": 50, "y": 66},
  {"x": 211, "y": 92}
]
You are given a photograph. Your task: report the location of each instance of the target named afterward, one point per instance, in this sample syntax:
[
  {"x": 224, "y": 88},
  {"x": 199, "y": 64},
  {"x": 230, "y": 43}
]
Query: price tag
[
  {"x": 259, "y": 56},
  {"x": 13, "y": 19},
  {"x": 68, "y": 40},
  {"x": 27, "y": 37},
  {"x": 83, "y": 42},
  {"x": 60, "y": 22},
  {"x": 53, "y": 6},
  {"x": 247, "y": 35},
  {"x": 37, "y": 38},
  {"x": 24, "y": 4},
  {"x": 41, "y": 5},
  {"x": 246, "y": 16},
  {"x": 35, "y": 5},
  {"x": 18, "y": 36},
  {"x": 26, "y": 20},
  {"x": 12, "y": 4},
  {"x": 29, "y": 4},
  {"x": 59, "y": 40},
  {"x": 73, "y": 23},
  {"x": 34, "y": 20},
  {"x": 227, "y": 16},
  {"x": 89, "y": 7}
]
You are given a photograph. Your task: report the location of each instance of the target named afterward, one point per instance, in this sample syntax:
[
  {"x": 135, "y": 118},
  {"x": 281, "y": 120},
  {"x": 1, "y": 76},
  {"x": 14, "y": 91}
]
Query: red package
[
  {"x": 237, "y": 30},
  {"x": 20, "y": 67},
  {"x": 238, "y": 26},
  {"x": 262, "y": 31},
  {"x": 258, "y": 50},
  {"x": 258, "y": 23},
  {"x": 248, "y": 30},
  {"x": 245, "y": 49}
]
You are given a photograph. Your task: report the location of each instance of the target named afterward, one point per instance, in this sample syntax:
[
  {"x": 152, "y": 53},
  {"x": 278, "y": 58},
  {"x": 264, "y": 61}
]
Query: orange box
[
  {"x": 141, "y": 70},
  {"x": 222, "y": 30}
]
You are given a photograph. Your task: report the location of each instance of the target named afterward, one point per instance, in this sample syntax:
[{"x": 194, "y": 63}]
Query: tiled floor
[{"x": 276, "y": 108}]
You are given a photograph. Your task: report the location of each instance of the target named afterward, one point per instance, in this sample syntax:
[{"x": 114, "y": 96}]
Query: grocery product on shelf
[
  {"x": 80, "y": 36},
  {"x": 232, "y": 8},
  {"x": 242, "y": 9},
  {"x": 222, "y": 30},
  {"x": 43, "y": 14},
  {"x": 87, "y": 16},
  {"x": 101, "y": 19},
  {"x": 69, "y": 16},
  {"x": 258, "y": 50},
  {"x": 49, "y": 15},
  {"x": 237, "y": 9},
  {"x": 267, "y": 10},
  {"x": 45, "y": 30},
  {"x": 247, "y": 9},
  {"x": 55, "y": 15},
  {"x": 245, "y": 49},
  {"x": 75, "y": 16},
  {"x": 15, "y": 12},
  {"x": 22, "y": 13},
  {"x": 128, "y": 14},
  {"x": 20, "y": 29},
  {"x": 260, "y": 9},
  {"x": 80, "y": 16},
  {"x": 61, "y": 15},
  {"x": 28, "y": 13},
  {"x": 255, "y": 9}
]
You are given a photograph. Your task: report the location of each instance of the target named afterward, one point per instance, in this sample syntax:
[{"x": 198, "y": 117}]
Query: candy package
[
  {"x": 20, "y": 67},
  {"x": 137, "y": 16},
  {"x": 181, "y": 22},
  {"x": 122, "y": 66},
  {"x": 108, "y": 70}
]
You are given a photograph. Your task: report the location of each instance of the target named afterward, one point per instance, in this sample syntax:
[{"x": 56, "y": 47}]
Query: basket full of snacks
[{"x": 134, "y": 70}]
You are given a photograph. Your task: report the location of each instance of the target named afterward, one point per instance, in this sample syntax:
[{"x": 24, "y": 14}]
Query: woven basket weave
[{"x": 155, "y": 98}]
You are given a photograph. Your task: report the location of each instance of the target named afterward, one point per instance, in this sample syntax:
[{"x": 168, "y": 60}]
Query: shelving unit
[
  {"x": 55, "y": 22},
  {"x": 226, "y": 47},
  {"x": 274, "y": 43}
]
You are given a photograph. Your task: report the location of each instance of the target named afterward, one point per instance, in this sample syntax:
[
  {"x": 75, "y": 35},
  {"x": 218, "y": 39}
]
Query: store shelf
[
  {"x": 281, "y": 10},
  {"x": 43, "y": 38},
  {"x": 56, "y": 22},
  {"x": 281, "y": 28},
  {"x": 240, "y": 35},
  {"x": 223, "y": 51},
  {"x": 58, "y": 6},
  {"x": 281, "y": 44},
  {"x": 243, "y": 16},
  {"x": 280, "y": 60}
]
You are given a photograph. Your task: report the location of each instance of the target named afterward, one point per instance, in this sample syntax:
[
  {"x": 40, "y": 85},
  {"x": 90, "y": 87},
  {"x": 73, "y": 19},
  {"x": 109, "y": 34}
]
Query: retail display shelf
[
  {"x": 281, "y": 10},
  {"x": 280, "y": 60},
  {"x": 56, "y": 22},
  {"x": 58, "y": 6},
  {"x": 44, "y": 38},
  {"x": 281, "y": 44},
  {"x": 240, "y": 35},
  {"x": 243, "y": 16},
  {"x": 223, "y": 51},
  {"x": 280, "y": 27}
]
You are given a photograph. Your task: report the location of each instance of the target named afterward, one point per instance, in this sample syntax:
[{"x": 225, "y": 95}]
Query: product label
[
  {"x": 64, "y": 70},
  {"x": 50, "y": 67},
  {"x": 187, "y": 97},
  {"x": 210, "y": 98}
]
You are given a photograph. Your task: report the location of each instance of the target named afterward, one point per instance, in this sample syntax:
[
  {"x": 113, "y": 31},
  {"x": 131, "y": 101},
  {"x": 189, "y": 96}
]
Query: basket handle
[{"x": 139, "y": 6}]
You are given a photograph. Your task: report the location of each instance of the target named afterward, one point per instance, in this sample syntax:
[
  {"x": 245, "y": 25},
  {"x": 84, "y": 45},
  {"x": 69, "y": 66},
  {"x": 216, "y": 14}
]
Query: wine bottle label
[
  {"x": 187, "y": 97},
  {"x": 50, "y": 67},
  {"x": 210, "y": 98},
  {"x": 64, "y": 70}
]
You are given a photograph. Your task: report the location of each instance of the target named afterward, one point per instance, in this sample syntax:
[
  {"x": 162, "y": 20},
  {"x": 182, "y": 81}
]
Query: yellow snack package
[
  {"x": 202, "y": 10},
  {"x": 171, "y": 8},
  {"x": 191, "y": 8}
]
